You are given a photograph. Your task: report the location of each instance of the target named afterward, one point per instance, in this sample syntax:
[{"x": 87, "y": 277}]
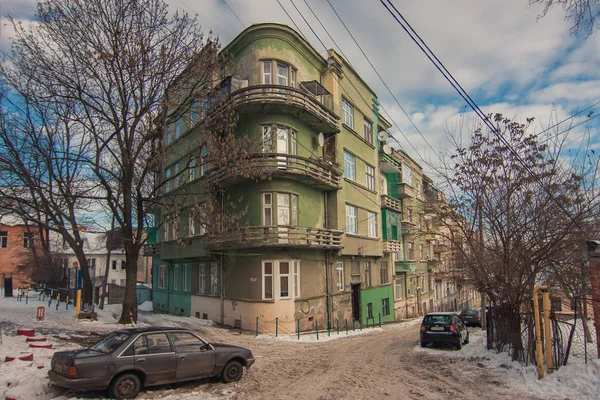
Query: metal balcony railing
[
  {"x": 315, "y": 171},
  {"x": 288, "y": 97},
  {"x": 275, "y": 236}
]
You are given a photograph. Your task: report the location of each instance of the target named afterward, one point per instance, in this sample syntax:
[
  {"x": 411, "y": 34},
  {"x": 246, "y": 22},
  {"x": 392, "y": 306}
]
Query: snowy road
[{"x": 375, "y": 363}]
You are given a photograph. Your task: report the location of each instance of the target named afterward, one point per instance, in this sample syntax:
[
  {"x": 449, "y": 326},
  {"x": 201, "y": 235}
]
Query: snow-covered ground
[{"x": 25, "y": 380}]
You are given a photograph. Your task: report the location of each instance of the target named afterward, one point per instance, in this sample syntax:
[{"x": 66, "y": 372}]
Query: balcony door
[
  {"x": 282, "y": 146},
  {"x": 283, "y": 216}
]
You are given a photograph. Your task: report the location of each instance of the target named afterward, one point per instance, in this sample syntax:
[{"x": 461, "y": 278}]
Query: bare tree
[
  {"x": 583, "y": 14},
  {"x": 516, "y": 206},
  {"x": 113, "y": 60}
]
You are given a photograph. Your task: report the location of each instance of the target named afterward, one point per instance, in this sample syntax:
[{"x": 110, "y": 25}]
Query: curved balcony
[
  {"x": 316, "y": 172},
  {"x": 276, "y": 236},
  {"x": 295, "y": 102}
]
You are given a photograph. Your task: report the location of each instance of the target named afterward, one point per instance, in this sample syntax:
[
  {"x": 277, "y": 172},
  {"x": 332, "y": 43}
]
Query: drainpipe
[{"x": 328, "y": 305}]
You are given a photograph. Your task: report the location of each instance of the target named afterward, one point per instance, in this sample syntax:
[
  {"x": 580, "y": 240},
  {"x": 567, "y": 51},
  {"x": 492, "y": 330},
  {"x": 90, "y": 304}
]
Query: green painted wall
[
  {"x": 374, "y": 296},
  {"x": 392, "y": 224},
  {"x": 176, "y": 302},
  {"x": 392, "y": 185}
]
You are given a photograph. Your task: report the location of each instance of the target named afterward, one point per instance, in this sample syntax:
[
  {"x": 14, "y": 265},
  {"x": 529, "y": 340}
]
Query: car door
[
  {"x": 195, "y": 358},
  {"x": 154, "y": 356}
]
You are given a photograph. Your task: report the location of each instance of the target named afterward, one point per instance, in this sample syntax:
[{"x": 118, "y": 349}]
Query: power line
[
  {"x": 238, "y": 18},
  {"x": 456, "y": 85}
]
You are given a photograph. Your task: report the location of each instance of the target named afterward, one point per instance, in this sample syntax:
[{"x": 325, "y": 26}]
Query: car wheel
[
  {"x": 424, "y": 344},
  {"x": 232, "y": 372},
  {"x": 459, "y": 344},
  {"x": 125, "y": 386},
  {"x": 467, "y": 338}
]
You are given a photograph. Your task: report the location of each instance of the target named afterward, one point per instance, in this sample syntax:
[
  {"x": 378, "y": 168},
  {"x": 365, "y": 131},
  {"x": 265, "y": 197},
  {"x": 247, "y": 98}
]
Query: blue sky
[{"x": 507, "y": 59}]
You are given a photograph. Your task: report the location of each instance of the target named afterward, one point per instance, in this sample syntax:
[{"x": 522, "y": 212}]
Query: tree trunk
[{"x": 129, "y": 313}]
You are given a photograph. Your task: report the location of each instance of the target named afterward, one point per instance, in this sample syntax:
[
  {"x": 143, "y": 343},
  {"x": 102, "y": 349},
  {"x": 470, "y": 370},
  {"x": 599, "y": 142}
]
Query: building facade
[
  {"x": 313, "y": 244},
  {"x": 17, "y": 242}
]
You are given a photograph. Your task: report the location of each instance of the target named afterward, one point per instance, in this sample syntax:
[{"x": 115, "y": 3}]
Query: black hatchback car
[
  {"x": 443, "y": 327},
  {"x": 127, "y": 360},
  {"x": 471, "y": 317}
]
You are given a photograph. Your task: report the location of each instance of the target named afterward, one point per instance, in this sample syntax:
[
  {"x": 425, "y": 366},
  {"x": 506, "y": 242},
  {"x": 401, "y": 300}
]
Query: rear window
[
  {"x": 437, "y": 319},
  {"x": 472, "y": 312},
  {"x": 111, "y": 342}
]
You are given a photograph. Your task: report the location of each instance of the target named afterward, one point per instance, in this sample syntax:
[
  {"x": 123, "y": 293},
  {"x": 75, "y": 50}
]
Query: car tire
[
  {"x": 459, "y": 343},
  {"x": 424, "y": 344},
  {"x": 232, "y": 372},
  {"x": 467, "y": 338},
  {"x": 125, "y": 386}
]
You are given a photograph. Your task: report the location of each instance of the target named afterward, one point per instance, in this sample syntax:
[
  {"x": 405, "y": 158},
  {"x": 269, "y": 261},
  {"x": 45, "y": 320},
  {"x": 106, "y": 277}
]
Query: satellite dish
[
  {"x": 321, "y": 139},
  {"x": 383, "y": 136},
  {"x": 387, "y": 149}
]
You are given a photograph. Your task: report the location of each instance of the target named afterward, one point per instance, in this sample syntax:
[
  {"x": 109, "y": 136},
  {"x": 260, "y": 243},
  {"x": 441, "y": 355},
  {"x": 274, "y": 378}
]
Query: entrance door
[
  {"x": 356, "y": 301},
  {"x": 282, "y": 147},
  {"x": 283, "y": 216}
]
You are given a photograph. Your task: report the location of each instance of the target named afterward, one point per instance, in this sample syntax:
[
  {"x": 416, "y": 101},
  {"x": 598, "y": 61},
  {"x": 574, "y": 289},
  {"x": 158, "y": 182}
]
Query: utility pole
[
  {"x": 594, "y": 255},
  {"x": 481, "y": 249}
]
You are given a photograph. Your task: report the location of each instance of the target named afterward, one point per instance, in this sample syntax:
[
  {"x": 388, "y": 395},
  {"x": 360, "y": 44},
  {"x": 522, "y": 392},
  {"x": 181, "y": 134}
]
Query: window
[
  {"x": 407, "y": 175},
  {"x": 408, "y": 215},
  {"x": 168, "y": 179},
  {"x": 192, "y": 168},
  {"x": 339, "y": 266},
  {"x": 203, "y": 160},
  {"x": 193, "y": 113},
  {"x": 187, "y": 343},
  {"x": 383, "y": 272},
  {"x": 213, "y": 278},
  {"x": 92, "y": 263},
  {"x": 202, "y": 278},
  {"x": 420, "y": 222},
  {"x": 191, "y": 224},
  {"x": 267, "y": 72},
  {"x": 162, "y": 276},
  {"x": 158, "y": 343},
  {"x": 267, "y": 139},
  {"x": 369, "y": 311},
  {"x": 348, "y": 113},
  {"x": 411, "y": 287},
  {"x": 349, "y": 166},
  {"x": 268, "y": 280},
  {"x": 296, "y": 279},
  {"x": 267, "y": 209},
  {"x": 368, "y": 131},
  {"x": 176, "y": 175},
  {"x": 351, "y": 222},
  {"x": 123, "y": 265},
  {"x": 123, "y": 282},
  {"x": 396, "y": 256},
  {"x": 399, "y": 290},
  {"x": 367, "y": 273},
  {"x": 3, "y": 239},
  {"x": 411, "y": 251},
  {"x": 27, "y": 240},
  {"x": 385, "y": 306},
  {"x": 286, "y": 206},
  {"x": 284, "y": 280},
  {"x": 282, "y": 74},
  {"x": 372, "y": 224},
  {"x": 114, "y": 264},
  {"x": 184, "y": 286},
  {"x": 425, "y": 287},
  {"x": 420, "y": 252},
  {"x": 355, "y": 271},
  {"x": 176, "y": 277},
  {"x": 370, "y": 177},
  {"x": 178, "y": 128}
]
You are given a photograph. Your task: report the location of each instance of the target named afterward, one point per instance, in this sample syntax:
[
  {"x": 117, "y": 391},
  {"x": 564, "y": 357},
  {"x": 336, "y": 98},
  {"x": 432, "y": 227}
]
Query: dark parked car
[
  {"x": 471, "y": 317},
  {"x": 127, "y": 360},
  {"x": 443, "y": 327}
]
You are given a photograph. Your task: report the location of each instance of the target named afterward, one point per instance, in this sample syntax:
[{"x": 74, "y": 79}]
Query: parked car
[
  {"x": 471, "y": 317},
  {"x": 127, "y": 360},
  {"x": 443, "y": 327}
]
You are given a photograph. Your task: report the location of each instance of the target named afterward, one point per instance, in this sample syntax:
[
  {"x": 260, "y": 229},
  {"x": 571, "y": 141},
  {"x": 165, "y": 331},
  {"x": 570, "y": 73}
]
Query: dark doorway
[
  {"x": 356, "y": 301},
  {"x": 8, "y": 289}
]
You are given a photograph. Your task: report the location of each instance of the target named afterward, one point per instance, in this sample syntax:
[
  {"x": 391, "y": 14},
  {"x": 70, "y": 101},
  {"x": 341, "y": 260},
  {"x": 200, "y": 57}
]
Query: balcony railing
[
  {"x": 298, "y": 102},
  {"x": 391, "y": 203},
  {"x": 314, "y": 171},
  {"x": 276, "y": 236},
  {"x": 408, "y": 228},
  {"x": 392, "y": 246},
  {"x": 405, "y": 191},
  {"x": 152, "y": 249},
  {"x": 405, "y": 266}
]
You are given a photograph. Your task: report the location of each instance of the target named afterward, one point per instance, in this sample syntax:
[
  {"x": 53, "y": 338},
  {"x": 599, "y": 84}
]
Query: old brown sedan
[{"x": 127, "y": 360}]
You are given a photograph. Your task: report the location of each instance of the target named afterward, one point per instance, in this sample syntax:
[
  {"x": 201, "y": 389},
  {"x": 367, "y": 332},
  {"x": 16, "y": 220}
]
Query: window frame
[
  {"x": 367, "y": 274},
  {"x": 162, "y": 276},
  {"x": 3, "y": 239},
  {"x": 371, "y": 224},
  {"x": 347, "y": 113},
  {"x": 399, "y": 284},
  {"x": 202, "y": 278},
  {"x": 369, "y": 177},
  {"x": 368, "y": 131},
  {"x": 383, "y": 272},
  {"x": 28, "y": 238},
  {"x": 385, "y": 306},
  {"x": 351, "y": 219},
  {"x": 214, "y": 278},
  {"x": 339, "y": 267},
  {"x": 349, "y": 166}
]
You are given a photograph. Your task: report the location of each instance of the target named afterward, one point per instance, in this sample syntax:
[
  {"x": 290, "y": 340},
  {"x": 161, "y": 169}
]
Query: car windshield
[
  {"x": 111, "y": 342},
  {"x": 472, "y": 312},
  {"x": 437, "y": 319}
]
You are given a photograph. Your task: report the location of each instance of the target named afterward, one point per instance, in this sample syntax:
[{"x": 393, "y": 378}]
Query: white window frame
[
  {"x": 296, "y": 279},
  {"x": 285, "y": 77},
  {"x": 420, "y": 251},
  {"x": 383, "y": 272},
  {"x": 191, "y": 224},
  {"x": 267, "y": 209},
  {"x": 349, "y": 166},
  {"x": 351, "y": 220},
  {"x": 162, "y": 276},
  {"x": 370, "y": 177},
  {"x": 397, "y": 256},
  {"x": 264, "y": 280},
  {"x": 214, "y": 278},
  {"x": 176, "y": 277},
  {"x": 339, "y": 266},
  {"x": 407, "y": 176},
  {"x": 371, "y": 224},
  {"x": 28, "y": 239},
  {"x": 368, "y": 130},
  {"x": 184, "y": 284},
  {"x": 267, "y": 77},
  {"x": 276, "y": 276},
  {"x": 368, "y": 274},
  {"x": 281, "y": 276},
  {"x": 399, "y": 289},
  {"x": 348, "y": 113},
  {"x": 202, "y": 278}
]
